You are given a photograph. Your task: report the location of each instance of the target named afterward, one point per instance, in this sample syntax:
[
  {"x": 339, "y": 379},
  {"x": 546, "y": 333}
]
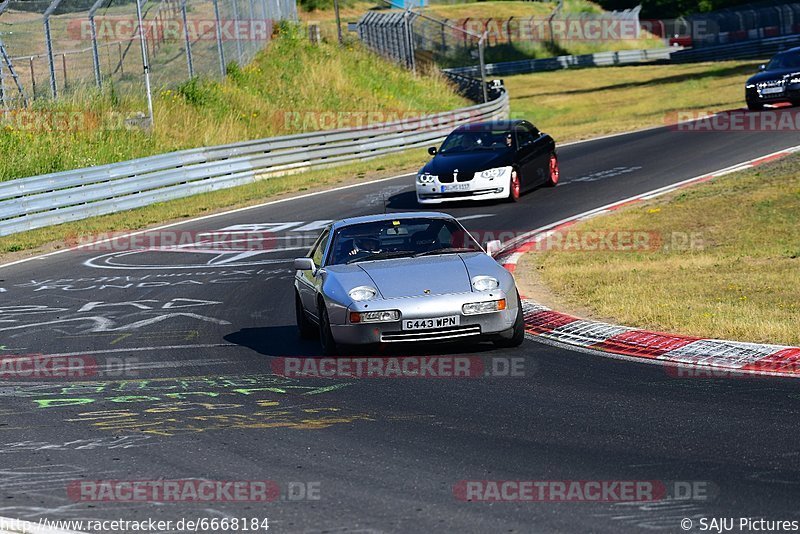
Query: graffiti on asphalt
[{"x": 174, "y": 406}]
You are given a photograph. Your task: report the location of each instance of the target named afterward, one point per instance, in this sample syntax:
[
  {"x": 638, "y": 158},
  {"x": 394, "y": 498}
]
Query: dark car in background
[
  {"x": 488, "y": 161},
  {"x": 778, "y": 82}
]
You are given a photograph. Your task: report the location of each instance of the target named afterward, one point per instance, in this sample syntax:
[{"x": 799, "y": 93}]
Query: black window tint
[{"x": 524, "y": 136}]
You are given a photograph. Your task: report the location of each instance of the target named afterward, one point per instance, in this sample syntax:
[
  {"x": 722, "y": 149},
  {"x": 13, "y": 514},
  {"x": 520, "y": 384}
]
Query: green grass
[
  {"x": 290, "y": 77},
  {"x": 577, "y": 104},
  {"x": 499, "y": 10},
  {"x": 739, "y": 281}
]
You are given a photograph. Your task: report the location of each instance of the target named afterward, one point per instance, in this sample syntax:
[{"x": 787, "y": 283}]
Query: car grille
[
  {"x": 771, "y": 83},
  {"x": 431, "y": 335},
  {"x": 449, "y": 179}
]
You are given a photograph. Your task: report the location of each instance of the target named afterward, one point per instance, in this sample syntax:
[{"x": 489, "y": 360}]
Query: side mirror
[
  {"x": 493, "y": 247},
  {"x": 304, "y": 264},
  {"x": 432, "y": 151},
  {"x": 762, "y": 67}
]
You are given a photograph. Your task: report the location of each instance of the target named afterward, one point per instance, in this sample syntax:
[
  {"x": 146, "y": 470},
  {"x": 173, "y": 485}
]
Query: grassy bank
[
  {"x": 291, "y": 86},
  {"x": 740, "y": 280},
  {"x": 55, "y": 237},
  {"x": 577, "y": 104}
]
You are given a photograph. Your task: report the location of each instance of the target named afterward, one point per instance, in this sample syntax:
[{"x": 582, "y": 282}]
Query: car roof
[
  {"x": 788, "y": 51},
  {"x": 491, "y": 125},
  {"x": 391, "y": 217}
]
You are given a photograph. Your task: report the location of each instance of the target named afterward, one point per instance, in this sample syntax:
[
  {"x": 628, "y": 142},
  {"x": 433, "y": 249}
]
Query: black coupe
[
  {"x": 488, "y": 160},
  {"x": 778, "y": 81}
]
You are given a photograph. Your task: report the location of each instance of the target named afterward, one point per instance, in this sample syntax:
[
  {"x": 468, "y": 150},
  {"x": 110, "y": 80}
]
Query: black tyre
[
  {"x": 518, "y": 335},
  {"x": 329, "y": 347},
  {"x": 305, "y": 327}
]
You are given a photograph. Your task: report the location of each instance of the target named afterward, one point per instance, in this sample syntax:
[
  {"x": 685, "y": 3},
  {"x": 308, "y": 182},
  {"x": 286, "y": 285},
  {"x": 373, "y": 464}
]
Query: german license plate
[
  {"x": 771, "y": 90},
  {"x": 455, "y": 187},
  {"x": 433, "y": 322}
]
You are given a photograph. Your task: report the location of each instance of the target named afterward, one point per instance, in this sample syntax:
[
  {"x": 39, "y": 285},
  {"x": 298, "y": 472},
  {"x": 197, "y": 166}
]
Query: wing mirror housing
[
  {"x": 304, "y": 264},
  {"x": 493, "y": 247},
  {"x": 432, "y": 151}
]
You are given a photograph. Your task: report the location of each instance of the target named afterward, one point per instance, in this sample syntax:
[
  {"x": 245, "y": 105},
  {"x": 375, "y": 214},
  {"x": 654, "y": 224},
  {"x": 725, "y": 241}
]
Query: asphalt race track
[{"x": 191, "y": 338}]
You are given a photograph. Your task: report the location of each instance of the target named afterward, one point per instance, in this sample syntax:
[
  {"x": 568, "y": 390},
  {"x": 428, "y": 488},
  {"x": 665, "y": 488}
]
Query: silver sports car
[{"x": 403, "y": 277}]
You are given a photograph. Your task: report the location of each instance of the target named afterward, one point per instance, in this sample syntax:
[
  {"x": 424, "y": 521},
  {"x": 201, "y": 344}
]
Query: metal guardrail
[
  {"x": 38, "y": 201},
  {"x": 762, "y": 48},
  {"x": 600, "y": 59}
]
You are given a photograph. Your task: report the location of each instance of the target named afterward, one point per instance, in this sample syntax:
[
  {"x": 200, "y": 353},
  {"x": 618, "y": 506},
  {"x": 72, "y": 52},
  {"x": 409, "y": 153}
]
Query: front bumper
[
  {"x": 487, "y": 324},
  {"x": 475, "y": 189},
  {"x": 790, "y": 93}
]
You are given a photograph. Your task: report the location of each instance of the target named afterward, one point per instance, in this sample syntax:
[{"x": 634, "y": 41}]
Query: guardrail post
[
  {"x": 409, "y": 38},
  {"x": 220, "y": 51},
  {"x": 145, "y": 62},
  {"x": 3, "y": 101},
  {"x": 49, "y": 44},
  {"x": 95, "y": 54},
  {"x": 33, "y": 79},
  {"x": 236, "y": 35},
  {"x": 481, "y": 44},
  {"x": 338, "y": 21},
  {"x": 187, "y": 40}
]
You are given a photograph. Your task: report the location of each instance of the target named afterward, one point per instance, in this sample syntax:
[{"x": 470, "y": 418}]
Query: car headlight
[
  {"x": 794, "y": 80},
  {"x": 475, "y": 308},
  {"x": 749, "y": 86},
  {"x": 491, "y": 174},
  {"x": 375, "y": 316},
  {"x": 425, "y": 178},
  {"x": 485, "y": 283},
  {"x": 362, "y": 293}
]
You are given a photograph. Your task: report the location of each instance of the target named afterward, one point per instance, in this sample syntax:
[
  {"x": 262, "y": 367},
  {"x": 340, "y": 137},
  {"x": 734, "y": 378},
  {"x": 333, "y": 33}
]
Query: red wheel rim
[
  {"x": 514, "y": 184},
  {"x": 553, "y": 169}
]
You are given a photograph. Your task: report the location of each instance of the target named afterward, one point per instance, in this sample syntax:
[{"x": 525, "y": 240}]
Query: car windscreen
[
  {"x": 474, "y": 140},
  {"x": 400, "y": 238},
  {"x": 784, "y": 61}
]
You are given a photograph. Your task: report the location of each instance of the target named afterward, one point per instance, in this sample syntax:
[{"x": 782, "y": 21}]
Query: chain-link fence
[
  {"x": 55, "y": 48},
  {"x": 421, "y": 42},
  {"x": 418, "y": 40},
  {"x": 741, "y": 23}
]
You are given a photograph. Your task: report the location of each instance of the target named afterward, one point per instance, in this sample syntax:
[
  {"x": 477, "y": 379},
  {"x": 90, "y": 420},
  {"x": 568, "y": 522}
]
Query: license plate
[
  {"x": 433, "y": 322},
  {"x": 455, "y": 187},
  {"x": 771, "y": 90}
]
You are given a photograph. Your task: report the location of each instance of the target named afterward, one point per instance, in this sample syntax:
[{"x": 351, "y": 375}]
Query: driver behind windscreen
[{"x": 366, "y": 244}]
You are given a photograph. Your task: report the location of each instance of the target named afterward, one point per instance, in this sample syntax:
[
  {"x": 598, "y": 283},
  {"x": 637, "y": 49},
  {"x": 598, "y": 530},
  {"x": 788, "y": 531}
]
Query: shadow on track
[
  {"x": 407, "y": 201},
  {"x": 284, "y": 341},
  {"x": 275, "y": 341}
]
